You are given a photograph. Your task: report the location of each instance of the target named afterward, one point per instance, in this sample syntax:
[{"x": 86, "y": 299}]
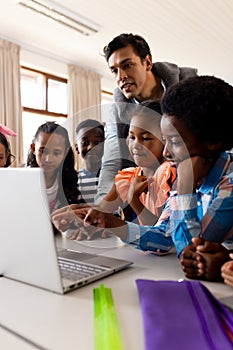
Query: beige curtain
[
  {"x": 84, "y": 98},
  {"x": 10, "y": 100}
]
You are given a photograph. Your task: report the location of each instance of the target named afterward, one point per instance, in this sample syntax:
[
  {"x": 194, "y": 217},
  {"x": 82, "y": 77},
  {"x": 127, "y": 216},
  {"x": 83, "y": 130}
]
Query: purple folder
[{"x": 183, "y": 315}]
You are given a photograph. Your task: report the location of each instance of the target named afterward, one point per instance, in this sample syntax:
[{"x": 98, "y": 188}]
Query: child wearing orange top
[
  {"x": 153, "y": 198},
  {"x": 145, "y": 187}
]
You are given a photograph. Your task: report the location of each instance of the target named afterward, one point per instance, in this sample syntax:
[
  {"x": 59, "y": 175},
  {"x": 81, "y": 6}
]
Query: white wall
[{"x": 54, "y": 65}]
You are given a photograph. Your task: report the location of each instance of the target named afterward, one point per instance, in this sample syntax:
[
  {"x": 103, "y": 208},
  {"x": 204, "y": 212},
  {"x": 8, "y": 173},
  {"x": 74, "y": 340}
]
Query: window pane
[
  {"x": 32, "y": 89},
  {"x": 57, "y": 96},
  {"x": 106, "y": 103},
  {"x": 106, "y": 97}
]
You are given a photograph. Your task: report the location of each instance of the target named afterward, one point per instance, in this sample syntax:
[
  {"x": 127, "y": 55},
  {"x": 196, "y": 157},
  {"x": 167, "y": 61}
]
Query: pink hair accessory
[{"x": 6, "y": 131}]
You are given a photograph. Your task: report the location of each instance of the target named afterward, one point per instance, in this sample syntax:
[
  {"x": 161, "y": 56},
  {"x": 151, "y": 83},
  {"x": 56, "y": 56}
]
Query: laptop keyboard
[{"x": 74, "y": 271}]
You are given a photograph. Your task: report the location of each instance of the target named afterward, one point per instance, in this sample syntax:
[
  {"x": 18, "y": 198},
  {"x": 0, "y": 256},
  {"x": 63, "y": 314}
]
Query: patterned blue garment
[{"x": 207, "y": 213}]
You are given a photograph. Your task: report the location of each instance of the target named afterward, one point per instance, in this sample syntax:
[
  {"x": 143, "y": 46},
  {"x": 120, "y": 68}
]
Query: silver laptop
[
  {"x": 227, "y": 301},
  {"x": 28, "y": 250}
]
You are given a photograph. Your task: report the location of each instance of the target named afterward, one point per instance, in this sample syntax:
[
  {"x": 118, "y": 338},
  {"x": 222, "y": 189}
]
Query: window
[
  {"x": 106, "y": 97},
  {"x": 44, "y": 98},
  {"x": 106, "y": 102},
  {"x": 43, "y": 93}
]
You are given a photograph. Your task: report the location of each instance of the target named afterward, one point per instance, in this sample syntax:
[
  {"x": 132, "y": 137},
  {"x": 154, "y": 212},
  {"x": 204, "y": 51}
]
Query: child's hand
[
  {"x": 93, "y": 224},
  {"x": 109, "y": 223},
  {"x": 191, "y": 260},
  {"x": 137, "y": 186},
  {"x": 63, "y": 218},
  {"x": 227, "y": 272},
  {"x": 203, "y": 259},
  {"x": 87, "y": 233},
  {"x": 96, "y": 218},
  {"x": 66, "y": 208}
]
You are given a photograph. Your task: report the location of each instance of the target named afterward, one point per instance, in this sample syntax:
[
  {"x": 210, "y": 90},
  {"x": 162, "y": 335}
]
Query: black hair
[
  {"x": 89, "y": 123},
  {"x": 139, "y": 44},
  {"x": 6, "y": 144},
  {"x": 204, "y": 104},
  {"x": 67, "y": 175}
]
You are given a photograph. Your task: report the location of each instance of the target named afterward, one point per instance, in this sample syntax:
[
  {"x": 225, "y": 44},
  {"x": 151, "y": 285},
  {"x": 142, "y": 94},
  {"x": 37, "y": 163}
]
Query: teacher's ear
[
  {"x": 32, "y": 147},
  {"x": 76, "y": 148}
]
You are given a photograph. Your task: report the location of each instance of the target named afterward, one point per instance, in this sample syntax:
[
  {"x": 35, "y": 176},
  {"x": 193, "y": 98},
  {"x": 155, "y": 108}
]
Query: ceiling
[{"x": 197, "y": 33}]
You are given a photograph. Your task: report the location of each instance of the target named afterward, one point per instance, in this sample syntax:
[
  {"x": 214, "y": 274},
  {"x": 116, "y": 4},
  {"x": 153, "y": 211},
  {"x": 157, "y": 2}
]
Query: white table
[
  {"x": 11, "y": 341},
  {"x": 61, "y": 322}
]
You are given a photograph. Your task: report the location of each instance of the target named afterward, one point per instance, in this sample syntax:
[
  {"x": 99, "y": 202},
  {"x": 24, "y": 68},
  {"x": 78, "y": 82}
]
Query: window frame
[{"x": 45, "y": 111}]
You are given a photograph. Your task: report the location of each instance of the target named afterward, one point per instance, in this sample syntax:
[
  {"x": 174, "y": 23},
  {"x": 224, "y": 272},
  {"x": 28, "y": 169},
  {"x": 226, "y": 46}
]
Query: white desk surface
[
  {"x": 61, "y": 322},
  {"x": 11, "y": 341}
]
